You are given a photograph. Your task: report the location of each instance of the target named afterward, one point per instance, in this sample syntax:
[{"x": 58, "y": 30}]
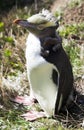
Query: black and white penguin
[{"x": 48, "y": 67}]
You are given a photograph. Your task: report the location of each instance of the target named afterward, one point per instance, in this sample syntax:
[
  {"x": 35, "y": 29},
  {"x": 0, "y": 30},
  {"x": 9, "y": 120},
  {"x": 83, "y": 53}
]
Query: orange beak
[
  {"x": 23, "y": 23},
  {"x": 16, "y": 21}
]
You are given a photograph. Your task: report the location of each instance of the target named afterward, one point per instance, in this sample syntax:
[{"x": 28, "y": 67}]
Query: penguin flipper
[{"x": 64, "y": 91}]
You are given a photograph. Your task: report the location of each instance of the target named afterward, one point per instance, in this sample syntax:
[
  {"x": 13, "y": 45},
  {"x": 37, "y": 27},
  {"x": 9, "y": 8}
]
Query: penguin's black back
[{"x": 60, "y": 59}]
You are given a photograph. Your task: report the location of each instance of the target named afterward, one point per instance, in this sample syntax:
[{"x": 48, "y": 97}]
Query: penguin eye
[{"x": 40, "y": 27}]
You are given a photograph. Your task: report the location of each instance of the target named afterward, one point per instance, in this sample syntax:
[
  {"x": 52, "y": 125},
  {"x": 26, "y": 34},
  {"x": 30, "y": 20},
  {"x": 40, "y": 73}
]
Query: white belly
[{"x": 44, "y": 89}]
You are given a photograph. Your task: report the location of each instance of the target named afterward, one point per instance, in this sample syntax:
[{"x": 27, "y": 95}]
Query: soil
[
  {"x": 59, "y": 4},
  {"x": 74, "y": 15},
  {"x": 71, "y": 15}
]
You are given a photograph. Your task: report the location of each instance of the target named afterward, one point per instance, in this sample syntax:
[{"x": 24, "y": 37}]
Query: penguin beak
[
  {"x": 23, "y": 23},
  {"x": 32, "y": 27}
]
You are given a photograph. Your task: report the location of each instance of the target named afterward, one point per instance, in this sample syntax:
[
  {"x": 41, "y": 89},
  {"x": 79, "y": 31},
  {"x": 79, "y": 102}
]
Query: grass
[
  {"x": 12, "y": 60},
  {"x": 72, "y": 29},
  {"x": 11, "y": 120}
]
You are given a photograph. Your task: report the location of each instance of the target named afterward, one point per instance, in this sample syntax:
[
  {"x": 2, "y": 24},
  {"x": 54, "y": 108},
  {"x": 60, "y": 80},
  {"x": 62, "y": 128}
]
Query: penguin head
[{"x": 41, "y": 24}]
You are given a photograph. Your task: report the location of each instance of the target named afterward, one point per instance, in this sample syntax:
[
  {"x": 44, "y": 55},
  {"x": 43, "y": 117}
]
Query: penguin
[{"x": 48, "y": 67}]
